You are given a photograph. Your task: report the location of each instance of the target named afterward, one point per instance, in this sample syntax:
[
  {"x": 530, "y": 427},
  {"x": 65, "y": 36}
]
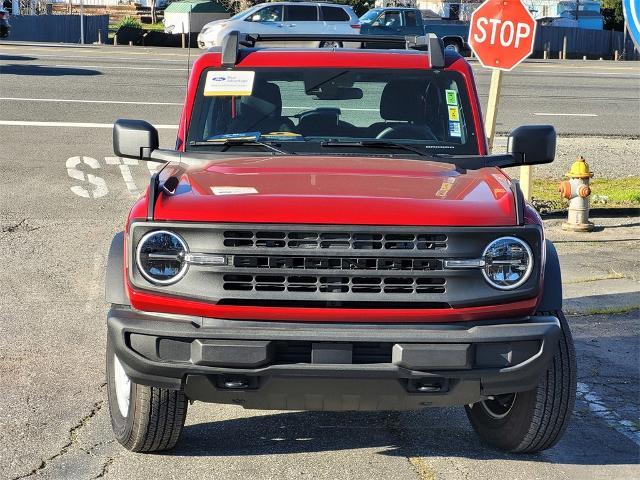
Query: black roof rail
[{"x": 234, "y": 41}]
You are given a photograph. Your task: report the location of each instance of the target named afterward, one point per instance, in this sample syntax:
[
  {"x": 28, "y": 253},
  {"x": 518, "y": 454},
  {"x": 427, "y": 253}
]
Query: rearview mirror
[
  {"x": 338, "y": 93},
  {"x": 134, "y": 139},
  {"x": 532, "y": 144}
]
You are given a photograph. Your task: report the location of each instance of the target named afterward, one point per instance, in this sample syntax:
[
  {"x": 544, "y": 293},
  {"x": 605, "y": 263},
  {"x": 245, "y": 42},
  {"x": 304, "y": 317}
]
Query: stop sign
[{"x": 502, "y": 33}]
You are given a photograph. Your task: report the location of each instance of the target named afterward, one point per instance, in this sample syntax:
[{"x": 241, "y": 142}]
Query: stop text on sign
[
  {"x": 507, "y": 33},
  {"x": 502, "y": 33}
]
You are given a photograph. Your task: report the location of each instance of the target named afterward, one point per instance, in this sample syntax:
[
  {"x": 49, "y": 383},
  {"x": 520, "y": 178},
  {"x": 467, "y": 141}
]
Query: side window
[
  {"x": 389, "y": 19},
  {"x": 334, "y": 14},
  {"x": 300, "y": 13},
  {"x": 271, "y": 13},
  {"x": 410, "y": 19}
]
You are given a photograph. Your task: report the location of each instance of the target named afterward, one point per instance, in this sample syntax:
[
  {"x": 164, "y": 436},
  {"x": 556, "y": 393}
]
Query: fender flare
[
  {"x": 552, "y": 288},
  {"x": 115, "y": 290}
]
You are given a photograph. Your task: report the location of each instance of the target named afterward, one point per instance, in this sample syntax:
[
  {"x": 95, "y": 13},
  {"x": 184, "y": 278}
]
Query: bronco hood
[{"x": 339, "y": 190}]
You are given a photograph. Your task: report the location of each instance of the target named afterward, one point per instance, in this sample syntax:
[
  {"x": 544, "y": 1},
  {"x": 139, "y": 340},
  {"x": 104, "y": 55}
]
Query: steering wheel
[{"x": 407, "y": 131}]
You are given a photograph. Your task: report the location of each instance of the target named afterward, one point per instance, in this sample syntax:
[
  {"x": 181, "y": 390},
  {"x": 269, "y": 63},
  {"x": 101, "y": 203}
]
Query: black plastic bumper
[{"x": 325, "y": 366}]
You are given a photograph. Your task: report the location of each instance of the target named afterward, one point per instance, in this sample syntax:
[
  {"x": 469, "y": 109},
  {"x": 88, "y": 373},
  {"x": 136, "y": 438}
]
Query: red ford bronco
[{"x": 330, "y": 233}]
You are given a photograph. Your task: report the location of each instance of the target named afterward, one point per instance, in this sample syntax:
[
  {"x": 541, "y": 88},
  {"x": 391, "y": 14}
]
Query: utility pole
[
  {"x": 81, "y": 22},
  {"x": 577, "y": 11}
]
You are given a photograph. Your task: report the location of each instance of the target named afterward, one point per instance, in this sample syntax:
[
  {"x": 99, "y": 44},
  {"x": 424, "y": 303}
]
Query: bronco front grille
[
  {"x": 333, "y": 284},
  {"x": 313, "y": 240},
  {"x": 336, "y": 266},
  {"x": 335, "y": 263}
]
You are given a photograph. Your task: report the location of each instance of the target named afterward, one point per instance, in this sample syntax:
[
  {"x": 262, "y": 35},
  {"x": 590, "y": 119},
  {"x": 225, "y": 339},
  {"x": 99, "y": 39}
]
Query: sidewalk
[{"x": 601, "y": 269}]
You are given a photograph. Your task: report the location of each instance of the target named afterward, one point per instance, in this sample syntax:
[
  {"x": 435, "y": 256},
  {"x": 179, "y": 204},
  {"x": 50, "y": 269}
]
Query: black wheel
[
  {"x": 330, "y": 44},
  {"x": 453, "y": 45},
  {"x": 534, "y": 420},
  {"x": 144, "y": 419}
]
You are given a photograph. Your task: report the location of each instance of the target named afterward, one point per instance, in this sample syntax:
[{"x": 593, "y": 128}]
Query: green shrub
[{"x": 129, "y": 21}]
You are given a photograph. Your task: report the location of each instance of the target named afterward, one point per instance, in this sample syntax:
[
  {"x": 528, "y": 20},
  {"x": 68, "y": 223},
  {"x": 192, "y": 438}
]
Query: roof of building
[{"x": 196, "y": 6}]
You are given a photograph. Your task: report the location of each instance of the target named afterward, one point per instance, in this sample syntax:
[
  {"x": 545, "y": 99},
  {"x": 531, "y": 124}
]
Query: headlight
[
  {"x": 508, "y": 263},
  {"x": 160, "y": 257}
]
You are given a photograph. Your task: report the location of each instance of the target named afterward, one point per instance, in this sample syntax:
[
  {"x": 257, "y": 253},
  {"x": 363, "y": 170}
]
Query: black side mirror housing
[
  {"x": 532, "y": 144},
  {"x": 134, "y": 139}
]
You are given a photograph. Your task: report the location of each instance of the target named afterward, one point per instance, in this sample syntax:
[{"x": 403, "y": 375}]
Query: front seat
[
  {"x": 403, "y": 107},
  {"x": 262, "y": 111}
]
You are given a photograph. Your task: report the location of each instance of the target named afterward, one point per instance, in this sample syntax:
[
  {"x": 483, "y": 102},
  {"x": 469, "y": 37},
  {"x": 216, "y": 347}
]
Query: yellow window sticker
[
  {"x": 454, "y": 114},
  {"x": 235, "y": 83}
]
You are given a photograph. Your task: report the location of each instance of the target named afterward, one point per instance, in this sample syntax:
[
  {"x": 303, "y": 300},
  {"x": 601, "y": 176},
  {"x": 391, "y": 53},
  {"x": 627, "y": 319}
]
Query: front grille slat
[
  {"x": 333, "y": 284},
  {"x": 310, "y": 240},
  {"x": 275, "y": 262}
]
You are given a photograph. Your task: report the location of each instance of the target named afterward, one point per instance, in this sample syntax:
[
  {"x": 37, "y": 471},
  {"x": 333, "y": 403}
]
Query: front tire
[
  {"x": 144, "y": 419},
  {"x": 534, "y": 420}
]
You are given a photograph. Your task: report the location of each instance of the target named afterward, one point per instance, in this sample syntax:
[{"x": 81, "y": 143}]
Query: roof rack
[{"x": 234, "y": 41}]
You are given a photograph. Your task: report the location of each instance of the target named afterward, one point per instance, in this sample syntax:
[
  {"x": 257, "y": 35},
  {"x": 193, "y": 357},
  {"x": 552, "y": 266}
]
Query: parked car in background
[
  {"x": 286, "y": 18},
  {"x": 409, "y": 21},
  {"x": 5, "y": 27}
]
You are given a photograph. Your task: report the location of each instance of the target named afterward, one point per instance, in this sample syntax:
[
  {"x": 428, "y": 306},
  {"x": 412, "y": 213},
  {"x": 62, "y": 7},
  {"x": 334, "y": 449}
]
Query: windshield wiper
[
  {"x": 379, "y": 144},
  {"x": 227, "y": 143}
]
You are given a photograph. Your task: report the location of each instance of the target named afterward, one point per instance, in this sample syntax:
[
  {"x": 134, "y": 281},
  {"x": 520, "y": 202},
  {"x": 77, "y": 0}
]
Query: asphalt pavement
[
  {"x": 599, "y": 98},
  {"x": 64, "y": 195}
]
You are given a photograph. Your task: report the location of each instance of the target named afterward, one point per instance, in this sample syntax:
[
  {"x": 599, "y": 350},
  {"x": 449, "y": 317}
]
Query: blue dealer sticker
[{"x": 454, "y": 129}]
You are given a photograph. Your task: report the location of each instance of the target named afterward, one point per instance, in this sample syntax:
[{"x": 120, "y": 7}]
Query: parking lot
[{"x": 64, "y": 195}]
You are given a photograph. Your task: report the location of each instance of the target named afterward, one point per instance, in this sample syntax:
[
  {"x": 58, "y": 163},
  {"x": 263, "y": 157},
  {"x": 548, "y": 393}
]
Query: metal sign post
[{"x": 81, "y": 22}]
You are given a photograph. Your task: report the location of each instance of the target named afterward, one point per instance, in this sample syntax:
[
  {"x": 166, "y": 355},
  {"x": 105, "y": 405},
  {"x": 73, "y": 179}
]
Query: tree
[
  {"x": 235, "y": 6},
  {"x": 612, "y": 14},
  {"x": 360, "y": 6}
]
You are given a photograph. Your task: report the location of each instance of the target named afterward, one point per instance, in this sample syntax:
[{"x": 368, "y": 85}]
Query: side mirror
[
  {"x": 134, "y": 139},
  {"x": 532, "y": 144},
  {"x": 255, "y": 18}
]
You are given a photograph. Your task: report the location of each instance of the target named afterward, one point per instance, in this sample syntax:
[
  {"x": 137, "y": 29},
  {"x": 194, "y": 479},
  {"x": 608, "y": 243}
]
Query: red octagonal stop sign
[{"x": 502, "y": 33}]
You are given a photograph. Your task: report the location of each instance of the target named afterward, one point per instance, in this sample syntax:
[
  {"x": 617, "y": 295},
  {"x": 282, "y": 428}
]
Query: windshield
[
  {"x": 370, "y": 16},
  {"x": 243, "y": 13},
  {"x": 306, "y": 108}
]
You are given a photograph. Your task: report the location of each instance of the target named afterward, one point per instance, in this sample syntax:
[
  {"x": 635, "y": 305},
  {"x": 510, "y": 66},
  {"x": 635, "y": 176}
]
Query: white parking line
[
  {"x": 77, "y": 100},
  {"x": 565, "y": 114},
  {"x": 110, "y": 67},
  {"x": 611, "y": 418},
  {"x": 22, "y": 123},
  {"x": 99, "y": 57},
  {"x": 311, "y": 107}
]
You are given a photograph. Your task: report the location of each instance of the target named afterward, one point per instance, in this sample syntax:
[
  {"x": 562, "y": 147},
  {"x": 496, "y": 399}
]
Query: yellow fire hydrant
[{"x": 577, "y": 191}]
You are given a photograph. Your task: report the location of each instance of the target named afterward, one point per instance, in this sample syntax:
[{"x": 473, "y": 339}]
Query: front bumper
[{"x": 297, "y": 366}]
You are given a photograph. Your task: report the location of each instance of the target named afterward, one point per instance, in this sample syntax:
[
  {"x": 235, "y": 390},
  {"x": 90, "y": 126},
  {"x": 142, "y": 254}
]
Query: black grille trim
[
  {"x": 275, "y": 262},
  {"x": 314, "y": 240},
  {"x": 331, "y": 304},
  {"x": 363, "y": 353},
  {"x": 332, "y": 284}
]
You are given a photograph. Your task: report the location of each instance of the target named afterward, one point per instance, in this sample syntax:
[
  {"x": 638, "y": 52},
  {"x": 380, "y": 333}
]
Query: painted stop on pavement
[{"x": 502, "y": 33}]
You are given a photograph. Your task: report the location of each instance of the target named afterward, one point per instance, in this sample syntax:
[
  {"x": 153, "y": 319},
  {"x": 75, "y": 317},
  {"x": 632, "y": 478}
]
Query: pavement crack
[
  {"x": 105, "y": 468},
  {"x": 73, "y": 439},
  {"x": 22, "y": 225}
]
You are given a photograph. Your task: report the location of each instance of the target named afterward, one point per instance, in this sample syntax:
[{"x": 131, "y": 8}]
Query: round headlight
[
  {"x": 508, "y": 263},
  {"x": 160, "y": 257}
]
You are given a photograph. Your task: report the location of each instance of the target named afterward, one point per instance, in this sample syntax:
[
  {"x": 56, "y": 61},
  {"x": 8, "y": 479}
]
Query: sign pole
[
  {"x": 81, "y": 22},
  {"x": 492, "y": 106}
]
